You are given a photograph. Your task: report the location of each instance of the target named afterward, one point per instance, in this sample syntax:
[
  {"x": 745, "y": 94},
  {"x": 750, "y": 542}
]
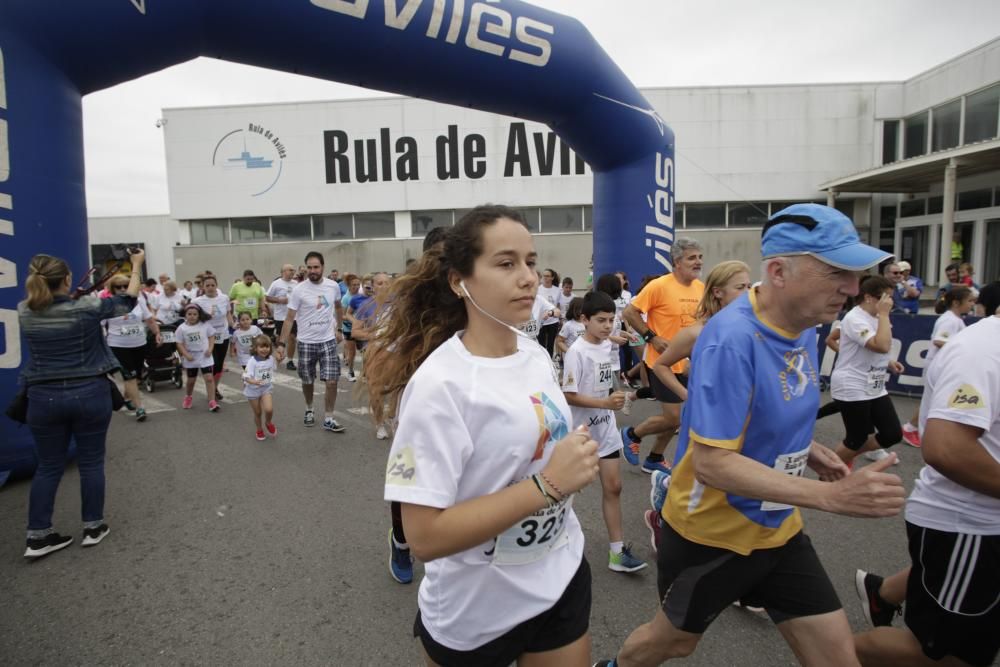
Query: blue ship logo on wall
[{"x": 247, "y": 157}]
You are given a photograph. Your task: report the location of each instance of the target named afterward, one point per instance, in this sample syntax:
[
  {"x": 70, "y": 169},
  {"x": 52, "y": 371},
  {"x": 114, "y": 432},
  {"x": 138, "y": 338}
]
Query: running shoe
[
  {"x": 649, "y": 467},
  {"x": 749, "y": 607},
  {"x": 309, "y": 419},
  {"x": 400, "y": 562},
  {"x": 130, "y": 406},
  {"x": 188, "y": 401},
  {"x": 878, "y": 455},
  {"x": 330, "y": 424},
  {"x": 604, "y": 663},
  {"x": 627, "y": 408},
  {"x": 213, "y": 406},
  {"x": 272, "y": 430},
  {"x": 351, "y": 377},
  {"x": 659, "y": 482},
  {"x": 93, "y": 536},
  {"x": 877, "y": 611},
  {"x": 652, "y": 520},
  {"x": 290, "y": 365},
  {"x": 631, "y": 447},
  {"x": 624, "y": 561},
  {"x": 43, "y": 546},
  {"x": 381, "y": 433},
  {"x": 140, "y": 415},
  {"x": 218, "y": 394},
  {"x": 911, "y": 437},
  {"x": 260, "y": 435}
]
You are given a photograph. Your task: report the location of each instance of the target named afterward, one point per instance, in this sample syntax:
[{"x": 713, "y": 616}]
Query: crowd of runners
[{"x": 506, "y": 389}]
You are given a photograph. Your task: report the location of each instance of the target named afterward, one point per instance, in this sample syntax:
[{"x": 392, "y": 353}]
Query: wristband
[
  {"x": 649, "y": 335},
  {"x": 549, "y": 500},
  {"x": 552, "y": 486}
]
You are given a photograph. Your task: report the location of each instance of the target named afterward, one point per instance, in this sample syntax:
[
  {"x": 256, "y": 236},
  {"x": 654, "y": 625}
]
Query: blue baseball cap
[{"x": 820, "y": 231}]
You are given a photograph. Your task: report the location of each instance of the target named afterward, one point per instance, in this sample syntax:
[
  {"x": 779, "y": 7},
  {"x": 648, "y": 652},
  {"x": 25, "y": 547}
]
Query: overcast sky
[{"x": 655, "y": 42}]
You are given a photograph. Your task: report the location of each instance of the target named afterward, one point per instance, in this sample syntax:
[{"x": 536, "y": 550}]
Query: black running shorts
[
  {"x": 953, "y": 594},
  {"x": 697, "y": 582},
  {"x": 662, "y": 393}
]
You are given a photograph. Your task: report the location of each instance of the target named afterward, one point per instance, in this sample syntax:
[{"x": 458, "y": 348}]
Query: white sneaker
[
  {"x": 351, "y": 377},
  {"x": 878, "y": 455},
  {"x": 381, "y": 433}
]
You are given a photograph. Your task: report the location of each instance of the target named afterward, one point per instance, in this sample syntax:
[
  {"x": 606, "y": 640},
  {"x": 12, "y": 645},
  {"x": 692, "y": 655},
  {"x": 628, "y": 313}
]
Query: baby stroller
[{"x": 161, "y": 363}]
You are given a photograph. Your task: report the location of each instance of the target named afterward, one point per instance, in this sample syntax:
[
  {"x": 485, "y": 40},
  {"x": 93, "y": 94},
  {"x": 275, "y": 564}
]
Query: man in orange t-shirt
[{"x": 669, "y": 303}]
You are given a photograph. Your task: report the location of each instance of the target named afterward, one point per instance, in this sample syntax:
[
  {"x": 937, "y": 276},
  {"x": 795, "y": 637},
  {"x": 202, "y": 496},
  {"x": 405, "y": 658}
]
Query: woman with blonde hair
[
  {"x": 723, "y": 285},
  {"x": 69, "y": 394}
]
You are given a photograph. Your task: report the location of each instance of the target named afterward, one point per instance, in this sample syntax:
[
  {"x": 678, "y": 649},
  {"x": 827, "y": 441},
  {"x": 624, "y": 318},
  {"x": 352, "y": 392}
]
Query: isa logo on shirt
[
  {"x": 552, "y": 425},
  {"x": 798, "y": 373}
]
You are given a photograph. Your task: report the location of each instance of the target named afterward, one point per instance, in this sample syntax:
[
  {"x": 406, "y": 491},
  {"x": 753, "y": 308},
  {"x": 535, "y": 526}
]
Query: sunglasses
[{"x": 117, "y": 287}]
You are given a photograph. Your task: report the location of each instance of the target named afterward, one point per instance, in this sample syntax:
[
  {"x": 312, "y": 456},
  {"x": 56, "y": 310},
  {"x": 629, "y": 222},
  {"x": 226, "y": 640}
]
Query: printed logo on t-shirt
[
  {"x": 569, "y": 380},
  {"x": 966, "y": 397},
  {"x": 797, "y": 374},
  {"x": 402, "y": 468},
  {"x": 321, "y": 302},
  {"x": 552, "y": 425}
]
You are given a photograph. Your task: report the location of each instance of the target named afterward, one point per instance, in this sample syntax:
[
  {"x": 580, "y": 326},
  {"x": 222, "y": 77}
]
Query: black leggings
[
  {"x": 862, "y": 418},
  {"x": 547, "y": 337},
  {"x": 219, "y": 356}
]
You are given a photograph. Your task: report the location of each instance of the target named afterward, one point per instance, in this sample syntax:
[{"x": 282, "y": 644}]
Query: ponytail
[
  {"x": 950, "y": 298},
  {"x": 45, "y": 275}
]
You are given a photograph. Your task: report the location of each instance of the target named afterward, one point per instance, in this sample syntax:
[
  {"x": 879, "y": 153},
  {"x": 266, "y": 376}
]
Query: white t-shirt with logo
[
  {"x": 945, "y": 327},
  {"x": 261, "y": 370},
  {"x": 550, "y": 294},
  {"x": 195, "y": 340},
  {"x": 314, "y": 306},
  {"x": 859, "y": 374},
  {"x": 243, "y": 340},
  {"x": 188, "y": 294},
  {"x": 470, "y": 426},
  {"x": 563, "y": 302},
  {"x": 540, "y": 306},
  {"x": 170, "y": 308},
  {"x": 217, "y": 308},
  {"x": 571, "y": 330},
  {"x": 963, "y": 386},
  {"x": 129, "y": 330},
  {"x": 280, "y": 289},
  {"x": 587, "y": 371}
]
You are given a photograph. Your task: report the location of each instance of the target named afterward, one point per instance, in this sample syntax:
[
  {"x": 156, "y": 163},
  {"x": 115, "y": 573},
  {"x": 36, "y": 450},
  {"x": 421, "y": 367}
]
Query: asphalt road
[{"x": 224, "y": 550}]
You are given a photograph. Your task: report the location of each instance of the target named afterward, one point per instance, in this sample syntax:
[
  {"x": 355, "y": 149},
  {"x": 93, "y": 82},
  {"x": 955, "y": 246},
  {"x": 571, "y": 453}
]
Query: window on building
[
  {"x": 250, "y": 230},
  {"x": 530, "y": 216},
  {"x": 991, "y": 271},
  {"x": 845, "y": 206},
  {"x": 291, "y": 228},
  {"x": 588, "y": 218},
  {"x": 422, "y": 222},
  {"x": 209, "y": 231},
  {"x": 915, "y": 142},
  {"x": 935, "y": 205},
  {"x": 982, "y": 115},
  {"x": 748, "y": 214},
  {"x": 890, "y": 141},
  {"x": 912, "y": 207},
  {"x": 562, "y": 219},
  {"x": 333, "y": 226},
  {"x": 947, "y": 119},
  {"x": 975, "y": 199},
  {"x": 378, "y": 225},
  {"x": 704, "y": 215},
  {"x": 887, "y": 228}
]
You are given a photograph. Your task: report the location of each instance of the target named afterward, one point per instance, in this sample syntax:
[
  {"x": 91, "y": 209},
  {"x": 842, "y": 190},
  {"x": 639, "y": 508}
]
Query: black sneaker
[
  {"x": 92, "y": 536},
  {"x": 309, "y": 419},
  {"x": 43, "y": 546},
  {"x": 877, "y": 611},
  {"x": 290, "y": 365},
  {"x": 218, "y": 394}
]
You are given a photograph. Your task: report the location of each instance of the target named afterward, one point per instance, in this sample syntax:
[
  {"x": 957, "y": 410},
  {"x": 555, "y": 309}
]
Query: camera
[{"x": 120, "y": 251}]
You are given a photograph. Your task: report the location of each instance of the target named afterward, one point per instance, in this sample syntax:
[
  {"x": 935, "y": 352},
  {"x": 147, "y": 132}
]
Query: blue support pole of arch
[{"x": 507, "y": 57}]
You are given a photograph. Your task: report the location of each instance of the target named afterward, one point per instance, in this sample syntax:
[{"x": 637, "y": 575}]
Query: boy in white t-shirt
[{"x": 588, "y": 383}]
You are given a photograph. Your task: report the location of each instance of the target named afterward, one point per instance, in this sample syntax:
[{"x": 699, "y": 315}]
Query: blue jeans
[{"x": 57, "y": 412}]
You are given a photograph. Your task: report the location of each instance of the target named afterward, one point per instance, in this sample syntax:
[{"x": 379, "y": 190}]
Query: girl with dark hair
[
  {"x": 483, "y": 462},
  {"x": 216, "y": 305},
  {"x": 196, "y": 345},
  {"x": 952, "y": 306},
  {"x": 69, "y": 396},
  {"x": 859, "y": 375},
  {"x": 573, "y": 327},
  {"x": 549, "y": 323}
]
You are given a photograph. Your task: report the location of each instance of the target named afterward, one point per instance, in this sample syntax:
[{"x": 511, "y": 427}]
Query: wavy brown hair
[
  {"x": 45, "y": 274},
  {"x": 719, "y": 276},
  {"x": 422, "y": 310}
]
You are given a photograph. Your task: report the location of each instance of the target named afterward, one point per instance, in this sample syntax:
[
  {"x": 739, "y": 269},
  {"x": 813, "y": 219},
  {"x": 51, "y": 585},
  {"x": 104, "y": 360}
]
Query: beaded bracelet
[
  {"x": 549, "y": 500},
  {"x": 553, "y": 486}
]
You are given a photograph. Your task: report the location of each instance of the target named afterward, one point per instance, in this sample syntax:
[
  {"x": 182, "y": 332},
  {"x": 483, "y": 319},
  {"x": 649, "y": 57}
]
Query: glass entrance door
[{"x": 913, "y": 249}]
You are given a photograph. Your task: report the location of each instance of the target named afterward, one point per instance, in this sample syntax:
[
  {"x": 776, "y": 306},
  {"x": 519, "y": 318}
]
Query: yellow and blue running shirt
[{"x": 753, "y": 389}]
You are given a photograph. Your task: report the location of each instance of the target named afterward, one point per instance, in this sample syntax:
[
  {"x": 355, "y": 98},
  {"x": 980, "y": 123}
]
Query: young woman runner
[
  {"x": 127, "y": 340},
  {"x": 216, "y": 304},
  {"x": 550, "y": 291},
  {"x": 484, "y": 461}
]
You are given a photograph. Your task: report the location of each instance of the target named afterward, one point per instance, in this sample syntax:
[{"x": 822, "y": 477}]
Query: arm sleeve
[
  {"x": 719, "y": 395},
  {"x": 430, "y": 447},
  {"x": 967, "y": 391},
  {"x": 858, "y": 331},
  {"x": 645, "y": 301},
  {"x": 572, "y": 367},
  {"x": 294, "y": 299}
]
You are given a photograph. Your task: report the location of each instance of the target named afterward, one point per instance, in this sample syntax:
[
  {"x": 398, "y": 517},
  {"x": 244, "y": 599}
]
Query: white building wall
[{"x": 964, "y": 74}]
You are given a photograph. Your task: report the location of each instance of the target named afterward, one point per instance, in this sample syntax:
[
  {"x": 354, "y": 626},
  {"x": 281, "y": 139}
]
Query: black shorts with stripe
[{"x": 953, "y": 594}]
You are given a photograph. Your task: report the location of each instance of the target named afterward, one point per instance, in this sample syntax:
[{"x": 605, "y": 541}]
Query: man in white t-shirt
[
  {"x": 278, "y": 294},
  {"x": 315, "y": 305},
  {"x": 952, "y": 517}
]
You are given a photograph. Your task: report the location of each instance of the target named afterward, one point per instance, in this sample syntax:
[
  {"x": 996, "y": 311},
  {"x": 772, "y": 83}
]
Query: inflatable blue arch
[{"x": 502, "y": 56}]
